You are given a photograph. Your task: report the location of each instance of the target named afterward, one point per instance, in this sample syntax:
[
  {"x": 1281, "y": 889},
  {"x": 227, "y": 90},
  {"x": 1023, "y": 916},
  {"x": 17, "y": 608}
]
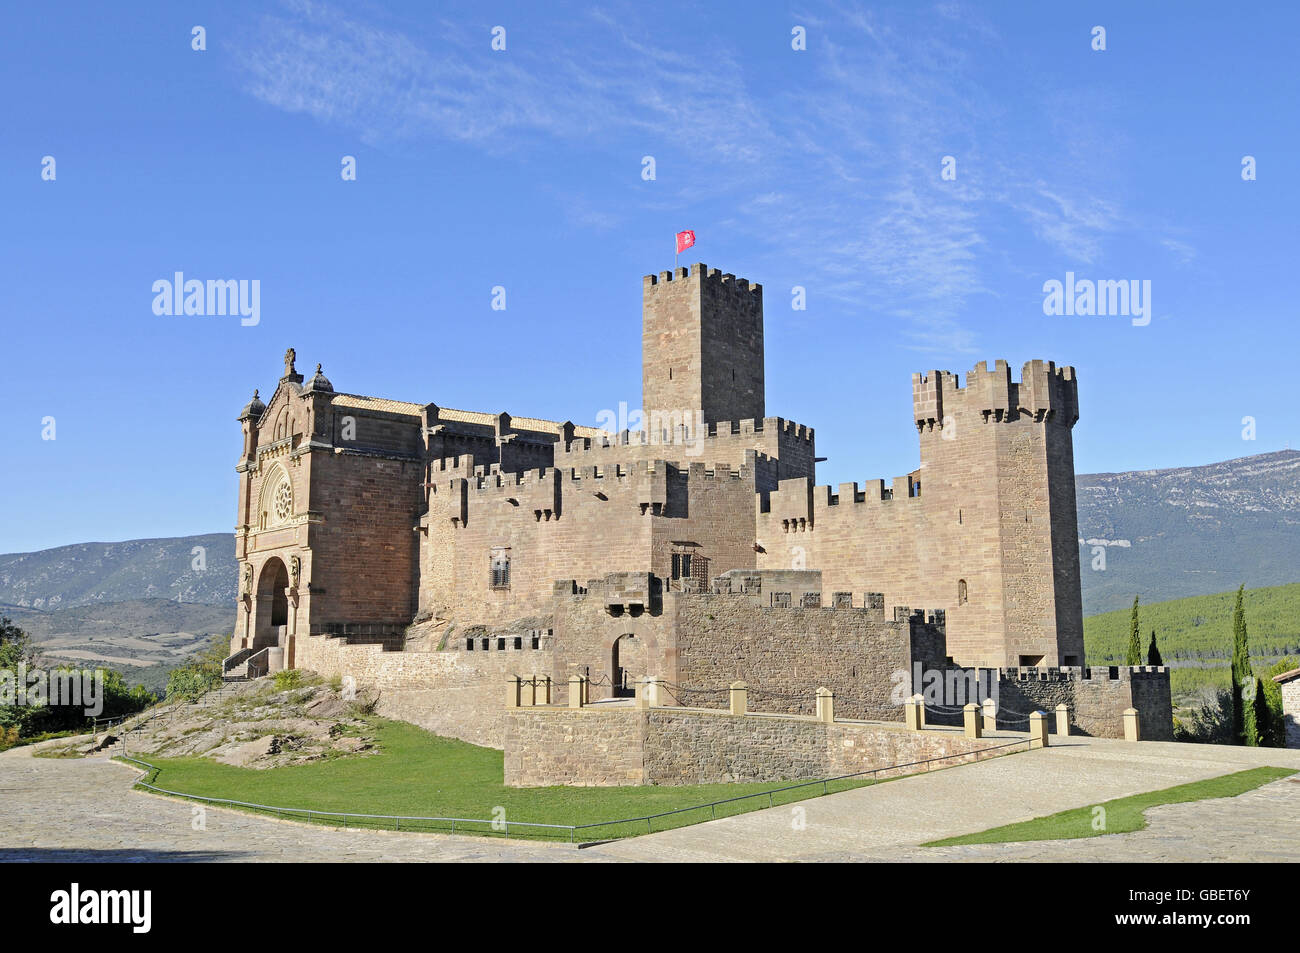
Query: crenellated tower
[
  {"x": 997, "y": 480},
  {"x": 702, "y": 345}
]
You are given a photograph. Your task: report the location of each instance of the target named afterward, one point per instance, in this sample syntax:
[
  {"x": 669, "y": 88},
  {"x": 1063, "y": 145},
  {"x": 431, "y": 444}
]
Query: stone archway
[
  {"x": 272, "y": 607},
  {"x": 633, "y": 649},
  {"x": 623, "y": 665}
]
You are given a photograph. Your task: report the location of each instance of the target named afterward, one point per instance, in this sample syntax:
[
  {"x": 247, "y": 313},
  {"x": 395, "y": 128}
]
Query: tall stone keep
[
  {"x": 997, "y": 478},
  {"x": 702, "y": 345}
]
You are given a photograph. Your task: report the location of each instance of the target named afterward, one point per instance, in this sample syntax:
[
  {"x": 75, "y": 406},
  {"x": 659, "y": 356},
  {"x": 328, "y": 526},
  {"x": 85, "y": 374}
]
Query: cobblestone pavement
[{"x": 85, "y": 810}]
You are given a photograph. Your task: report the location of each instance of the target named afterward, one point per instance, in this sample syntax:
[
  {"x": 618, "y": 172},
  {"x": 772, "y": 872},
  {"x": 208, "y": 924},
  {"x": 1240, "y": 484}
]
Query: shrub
[
  {"x": 287, "y": 679},
  {"x": 1208, "y": 720}
]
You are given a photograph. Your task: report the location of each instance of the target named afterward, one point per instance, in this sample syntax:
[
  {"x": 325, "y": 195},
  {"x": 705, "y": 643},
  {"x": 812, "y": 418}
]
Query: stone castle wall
[
  {"x": 775, "y": 630},
  {"x": 567, "y": 524},
  {"x": 985, "y": 529},
  {"x": 791, "y": 447},
  {"x": 454, "y": 694},
  {"x": 591, "y": 747},
  {"x": 1096, "y": 698},
  {"x": 364, "y": 548},
  {"x": 400, "y": 508}
]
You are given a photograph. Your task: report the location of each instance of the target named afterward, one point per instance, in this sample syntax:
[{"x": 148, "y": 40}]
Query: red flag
[{"x": 685, "y": 240}]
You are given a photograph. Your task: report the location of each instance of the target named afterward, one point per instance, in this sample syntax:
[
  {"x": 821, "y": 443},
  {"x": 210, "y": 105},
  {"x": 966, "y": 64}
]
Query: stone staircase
[{"x": 235, "y": 667}]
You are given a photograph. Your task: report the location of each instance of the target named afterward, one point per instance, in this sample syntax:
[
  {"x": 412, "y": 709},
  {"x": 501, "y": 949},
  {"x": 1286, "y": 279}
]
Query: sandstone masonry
[{"x": 697, "y": 549}]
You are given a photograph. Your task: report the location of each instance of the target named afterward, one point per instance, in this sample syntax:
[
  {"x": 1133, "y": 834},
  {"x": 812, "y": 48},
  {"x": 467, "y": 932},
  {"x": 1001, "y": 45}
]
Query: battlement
[
  {"x": 540, "y": 492},
  {"x": 1045, "y": 393},
  {"x": 713, "y": 278},
  {"x": 463, "y": 463},
  {"x": 1087, "y": 673},
  {"x": 796, "y": 502},
  {"x": 686, "y": 434}
]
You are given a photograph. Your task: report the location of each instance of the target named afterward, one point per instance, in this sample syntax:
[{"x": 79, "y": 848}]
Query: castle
[{"x": 438, "y": 552}]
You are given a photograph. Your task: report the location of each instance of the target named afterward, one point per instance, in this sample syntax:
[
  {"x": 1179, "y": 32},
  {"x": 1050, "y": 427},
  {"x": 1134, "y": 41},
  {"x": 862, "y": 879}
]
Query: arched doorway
[
  {"x": 272, "y": 603},
  {"x": 626, "y": 663}
]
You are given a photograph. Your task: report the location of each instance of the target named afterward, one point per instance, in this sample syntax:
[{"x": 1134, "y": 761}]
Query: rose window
[{"x": 283, "y": 501}]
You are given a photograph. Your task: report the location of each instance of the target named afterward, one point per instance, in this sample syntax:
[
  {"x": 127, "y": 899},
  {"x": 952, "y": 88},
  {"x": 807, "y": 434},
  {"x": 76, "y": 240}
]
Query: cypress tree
[
  {"x": 1254, "y": 713},
  {"x": 1241, "y": 671},
  {"x": 1153, "y": 651},
  {"x": 1134, "y": 656}
]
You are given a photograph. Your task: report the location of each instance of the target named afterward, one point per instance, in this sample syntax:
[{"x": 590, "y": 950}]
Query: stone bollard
[
  {"x": 739, "y": 698},
  {"x": 990, "y": 709},
  {"x": 513, "y": 692},
  {"x": 1038, "y": 729},
  {"x": 575, "y": 691},
  {"x": 586, "y": 690},
  {"x": 1063, "y": 719},
  {"x": 542, "y": 690},
  {"x": 913, "y": 713},
  {"x": 971, "y": 721},
  {"x": 825, "y": 705},
  {"x": 642, "y": 700},
  {"x": 1132, "y": 727},
  {"x": 656, "y": 692}
]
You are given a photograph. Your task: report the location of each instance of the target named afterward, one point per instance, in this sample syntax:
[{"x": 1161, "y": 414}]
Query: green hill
[{"x": 1199, "y": 628}]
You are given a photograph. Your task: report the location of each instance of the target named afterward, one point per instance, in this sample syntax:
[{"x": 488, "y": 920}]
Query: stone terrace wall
[
  {"x": 590, "y": 747},
  {"x": 1096, "y": 703},
  {"x": 790, "y": 652},
  {"x": 455, "y": 694}
]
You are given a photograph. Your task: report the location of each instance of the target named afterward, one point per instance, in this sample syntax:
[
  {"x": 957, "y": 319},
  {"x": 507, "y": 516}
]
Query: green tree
[
  {"x": 1134, "y": 656},
  {"x": 16, "y": 650},
  {"x": 200, "y": 674},
  {"x": 1241, "y": 674},
  {"x": 1153, "y": 651}
]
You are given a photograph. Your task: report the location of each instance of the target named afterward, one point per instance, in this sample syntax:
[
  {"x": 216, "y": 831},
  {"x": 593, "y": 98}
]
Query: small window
[
  {"x": 519, "y": 642},
  {"x": 500, "y": 569},
  {"x": 469, "y": 645},
  {"x": 961, "y": 592},
  {"x": 681, "y": 565},
  {"x": 501, "y": 645}
]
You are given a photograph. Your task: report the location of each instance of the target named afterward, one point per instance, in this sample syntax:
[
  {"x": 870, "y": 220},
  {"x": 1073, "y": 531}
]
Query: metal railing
[
  {"x": 231, "y": 662},
  {"x": 503, "y": 826}
]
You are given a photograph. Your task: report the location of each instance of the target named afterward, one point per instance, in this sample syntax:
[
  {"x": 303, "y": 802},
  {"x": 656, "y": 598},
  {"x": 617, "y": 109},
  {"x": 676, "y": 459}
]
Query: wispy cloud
[{"x": 839, "y": 176}]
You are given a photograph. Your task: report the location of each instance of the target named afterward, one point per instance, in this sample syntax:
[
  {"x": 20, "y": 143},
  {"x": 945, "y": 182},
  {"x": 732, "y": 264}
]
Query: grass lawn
[
  {"x": 417, "y": 773},
  {"x": 1123, "y": 815}
]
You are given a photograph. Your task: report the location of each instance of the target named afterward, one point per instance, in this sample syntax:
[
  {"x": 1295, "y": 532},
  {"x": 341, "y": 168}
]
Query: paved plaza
[{"x": 86, "y": 810}]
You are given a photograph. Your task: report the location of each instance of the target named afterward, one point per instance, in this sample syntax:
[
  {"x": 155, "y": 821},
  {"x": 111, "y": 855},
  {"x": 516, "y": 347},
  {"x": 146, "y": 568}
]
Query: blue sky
[{"x": 523, "y": 168}]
